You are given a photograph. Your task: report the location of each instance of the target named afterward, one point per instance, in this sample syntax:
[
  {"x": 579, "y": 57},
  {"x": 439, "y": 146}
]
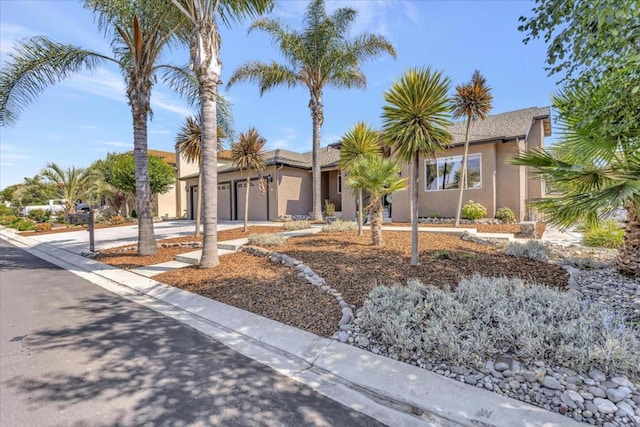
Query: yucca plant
[
  {"x": 248, "y": 154},
  {"x": 360, "y": 142},
  {"x": 472, "y": 100},
  {"x": 320, "y": 55},
  {"x": 415, "y": 120},
  {"x": 378, "y": 177}
]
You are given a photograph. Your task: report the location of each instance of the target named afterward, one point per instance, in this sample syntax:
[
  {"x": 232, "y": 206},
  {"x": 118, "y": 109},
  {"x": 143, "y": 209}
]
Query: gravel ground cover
[{"x": 481, "y": 228}]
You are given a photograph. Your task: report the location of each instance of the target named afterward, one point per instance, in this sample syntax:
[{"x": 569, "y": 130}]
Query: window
[
  {"x": 445, "y": 173},
  {"x": 339, "y": 183}
]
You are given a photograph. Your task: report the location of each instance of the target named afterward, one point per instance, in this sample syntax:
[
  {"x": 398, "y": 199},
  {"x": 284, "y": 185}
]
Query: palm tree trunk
[
  {"x": 198, "y": 207},
  {"x": 629, "y": 255},
  {"x": 414, "y": 208},
  {"x": 359, "y": 212},
  {"x": 376, "y": 224},
  {"x": 146, "y": 238},
  {"x": 463, "y": 177},
  {"x": 317, "y": 117},
  {"x": 246, "y": 205}
]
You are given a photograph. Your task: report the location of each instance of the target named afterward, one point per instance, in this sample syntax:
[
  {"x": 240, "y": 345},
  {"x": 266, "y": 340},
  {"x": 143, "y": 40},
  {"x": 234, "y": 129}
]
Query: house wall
[
  {"x": 295, "y": 196},
  {"x": 535, "y": 139},
  {"x": 509, "y": 186},
  {"x": 347, "y": 200},
  {"x": 166, "y": 204},
  {"x": 257, "y": 202},
  {"x": 332, "y": 189}
]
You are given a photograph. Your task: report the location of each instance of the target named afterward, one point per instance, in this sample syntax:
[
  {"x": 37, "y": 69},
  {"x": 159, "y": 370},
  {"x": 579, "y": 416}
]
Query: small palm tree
[
  {"x": 596, "y": 172},
  {"x": 415, "y": 120},
  {"x": 378, "y": 177},
  {"x": 361, "y": 141},
  {"x": 318, "y": 56},
  {"x": 189, "y": 144},
  {"x": 248, "y": 154},
  {"x": 205, "y": 61},
  {"x": 473, "y": 101},
  {"x": 140, "y": 31},
  {"x": 71, "y": 184}
]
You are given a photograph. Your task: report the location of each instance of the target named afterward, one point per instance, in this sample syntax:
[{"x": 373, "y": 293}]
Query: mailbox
[{"x": 78, "y": 219}]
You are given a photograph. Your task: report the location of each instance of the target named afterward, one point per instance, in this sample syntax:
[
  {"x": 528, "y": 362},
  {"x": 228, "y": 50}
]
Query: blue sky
[{"x": 85, "y": 117}]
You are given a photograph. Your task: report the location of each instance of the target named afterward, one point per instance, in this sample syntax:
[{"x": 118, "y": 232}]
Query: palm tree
[
  {"x": 361, "y": 141},
  {"x": 596, "y": 171},
  {"x": 473, "y": 101},
  {"x": 248, "y": 154},
  {"x": 320, "y": 55},
  {"x": 415, "y": 121},
  {"x": 205, "y": 62},
  {"x": 378, "y": 177},
  {"x": 188, "y": 143},
  {"x": 71, "y": 184},
  {"x": 140, "y": 31}
]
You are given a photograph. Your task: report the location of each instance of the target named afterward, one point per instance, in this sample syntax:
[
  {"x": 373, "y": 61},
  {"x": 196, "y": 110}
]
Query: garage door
[
  {"x": 224, "y": 201},
  {"x": 257, "y": 202}
]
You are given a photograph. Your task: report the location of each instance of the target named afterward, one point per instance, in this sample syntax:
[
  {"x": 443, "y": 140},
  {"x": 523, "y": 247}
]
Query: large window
[{"x": 445, "y": 173}]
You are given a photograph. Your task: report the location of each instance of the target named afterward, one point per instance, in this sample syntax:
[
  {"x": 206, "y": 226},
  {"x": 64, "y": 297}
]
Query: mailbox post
[
  {"x": 91, "y": 228},
  {"x": 89, "y": 220}
]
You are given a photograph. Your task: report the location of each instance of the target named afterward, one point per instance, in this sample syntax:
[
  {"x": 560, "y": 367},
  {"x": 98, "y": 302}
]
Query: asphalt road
[{"x": 72, "y": 354}]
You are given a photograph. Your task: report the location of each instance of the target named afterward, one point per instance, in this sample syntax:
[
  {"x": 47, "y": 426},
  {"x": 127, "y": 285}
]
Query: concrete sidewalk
[{"x": 390, "y": 391}]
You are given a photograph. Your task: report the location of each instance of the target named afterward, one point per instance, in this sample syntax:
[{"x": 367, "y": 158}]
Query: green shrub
[
  {"x": 116, "y": 220},
  {"x": 134, "y": 214},
  {"x": 43, "y": 227},
  {"x": 23, "y": 225},
  {"x": 39, "y": 215},
  {"x": 266, "y": 240},
  {"x": 8, "y": 219},
  {"x": 296, "y": 225},
  {"x": 490, "y": 316},
  {"x": 607, "y": 234},
  {"x": 472, "y": 210},
  {"x": 442, "y": 254},
  {"x": 339, "y": 225},
  {"x": 7, "y": 211},
  {"x": 532, "y": 249},
  {"x": 505, "y": 214}
]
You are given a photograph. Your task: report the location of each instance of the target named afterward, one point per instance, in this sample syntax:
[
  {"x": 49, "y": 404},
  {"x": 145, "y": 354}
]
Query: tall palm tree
[
  {"x": 359, "y": 142},
  {"x": 248, "y": 154},
  {"x": 320, "y": 55},
  {"x": 140, "y": 30},
  {"x": 473, "y": 101},
  {"x": 71, "y": 184},
  {"x": 204, "y": 47},
  {"x": 189, "y": 144},
  {"x": 415, "y": 120},
  {"x": 595, "y": 171},
  {"x": 378, "y": 177}
]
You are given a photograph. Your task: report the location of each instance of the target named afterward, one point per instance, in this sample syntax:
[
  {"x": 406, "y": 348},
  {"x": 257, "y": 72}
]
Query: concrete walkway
[{"x": 390, "y": 391}]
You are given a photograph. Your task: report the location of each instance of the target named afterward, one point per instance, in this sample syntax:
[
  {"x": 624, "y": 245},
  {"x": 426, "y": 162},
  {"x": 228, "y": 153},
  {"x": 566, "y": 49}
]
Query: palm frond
[
  {"x": 473, "y": 99},
  {"x": 377, "y": 175},
  {"x": 34, "y": 65},
  {"x": 247, "y": 152},
  {"x": 359, "y": 142},
  {"x": 266, "y": 76}
]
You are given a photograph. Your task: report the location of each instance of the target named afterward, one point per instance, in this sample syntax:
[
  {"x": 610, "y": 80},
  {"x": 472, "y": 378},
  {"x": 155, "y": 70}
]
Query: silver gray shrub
[
  {"x": 266, "y": 239},
  {"x": 296, "y": 225},
  {"x": 532, "y": 249},
  {"x": 340, "y": 225},
  {"x": 485, "y": 317}
]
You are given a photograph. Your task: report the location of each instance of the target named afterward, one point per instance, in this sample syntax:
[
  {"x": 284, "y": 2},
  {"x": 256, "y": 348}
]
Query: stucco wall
[
  {"x": 535, "y": 139},
  {"x": 508, "y": 182},
  {"x": 294, "y": 191},
  {"x": 257, "y": 202},
  {"x": 166, "y": 204},
  {"x": 333, "y": 195},
  {"x": 347, "y": 200}
]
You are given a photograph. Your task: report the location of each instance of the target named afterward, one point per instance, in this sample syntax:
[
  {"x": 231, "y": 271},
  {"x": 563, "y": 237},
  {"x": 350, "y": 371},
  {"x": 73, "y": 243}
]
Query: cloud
[
  {"x": 11, "y": 34},
  {"x": 10, "y": 153},
  {"x": 116, "y": 144},
  {"x": 286, "y": 139},
  {"x": 159, "y": 132}
]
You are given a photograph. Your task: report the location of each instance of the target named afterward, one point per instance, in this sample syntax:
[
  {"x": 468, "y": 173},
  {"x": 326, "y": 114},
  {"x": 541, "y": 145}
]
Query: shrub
[
  {"x": 442, "y": 254},
  {"x": 340, "y": 225},
  {"x": 43, "y": 227},
  {"x": 607, "y": 234},
  {"x": 8, "y": 219},
  {"x": 116, "y": 220},
  {"x": 7, "y": 211},
  {"x": 266, "y": 239},
  {"x": 472, "y": 210},
  {"x": 296, "y": 225},
  {"x": 532, "y": 249},
  {"x": 134, "y": 214},
  {"x": 492, "y": 316},
  {"x": 23, "y": 225},
  {"x": 506, "y": 214},
  {"x": 39, "y": 215},
  {"x": 329, "y": 208}
]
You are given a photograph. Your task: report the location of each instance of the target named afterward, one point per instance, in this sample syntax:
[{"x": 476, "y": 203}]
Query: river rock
[{"x": 605, "y": 406}]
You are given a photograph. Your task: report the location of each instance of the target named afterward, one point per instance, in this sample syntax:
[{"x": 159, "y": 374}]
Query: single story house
[{"x": 287, "y": 190}]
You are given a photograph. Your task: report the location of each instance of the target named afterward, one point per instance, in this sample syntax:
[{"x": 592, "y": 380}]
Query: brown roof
[
  {"x": 167, "y": 156},
  {"x": 328, "y": 157}
]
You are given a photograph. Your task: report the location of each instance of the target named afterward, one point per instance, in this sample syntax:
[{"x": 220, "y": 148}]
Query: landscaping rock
[
  {"x": 551, "y": 383},
  {"x": 605, "y": 406},
  {"x": 618, "y": 394}
]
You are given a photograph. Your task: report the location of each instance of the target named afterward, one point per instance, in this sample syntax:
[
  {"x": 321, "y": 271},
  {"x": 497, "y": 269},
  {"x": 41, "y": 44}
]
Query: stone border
[{"x": 307, "y": 274}]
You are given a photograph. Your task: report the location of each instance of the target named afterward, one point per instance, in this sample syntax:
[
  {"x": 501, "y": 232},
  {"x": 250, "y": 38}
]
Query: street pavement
[{"x": 73, "y": 354}]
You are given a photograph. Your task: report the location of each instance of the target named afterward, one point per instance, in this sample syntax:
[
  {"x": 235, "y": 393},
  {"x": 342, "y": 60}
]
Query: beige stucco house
[{"x": 287, "y": 190}]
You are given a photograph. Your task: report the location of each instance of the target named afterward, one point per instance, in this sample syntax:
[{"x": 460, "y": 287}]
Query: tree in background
[
  {"x": 358, "y": 143},
  {"x": 415, "y": 120},
  {"x": 248, "y": 153},
  {"x": 139, "y": 30},
  {"x": 378, "y": 177},
  {"x": 320, "y": 55},
  {"x": 204, "y": 47},
  {"x": 71, "y": 184},
  {"x": 472, "y": 100}
]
